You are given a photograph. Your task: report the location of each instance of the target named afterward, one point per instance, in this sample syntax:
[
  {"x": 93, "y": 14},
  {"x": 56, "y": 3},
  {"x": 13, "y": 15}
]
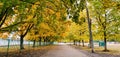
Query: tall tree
[{"x": 89, "y": 27}]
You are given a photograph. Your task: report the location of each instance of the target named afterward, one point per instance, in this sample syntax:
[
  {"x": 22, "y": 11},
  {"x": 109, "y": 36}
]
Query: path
[
  {"x": 59, "y": 51},
  {"x": 69, "y": 51},
  {"x": 64, "y": 51}
]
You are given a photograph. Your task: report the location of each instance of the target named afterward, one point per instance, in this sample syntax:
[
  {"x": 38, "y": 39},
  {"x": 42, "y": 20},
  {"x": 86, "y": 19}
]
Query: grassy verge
[
  {"x": 14, "y": 51},
  {"x": 99, "y": 50}
]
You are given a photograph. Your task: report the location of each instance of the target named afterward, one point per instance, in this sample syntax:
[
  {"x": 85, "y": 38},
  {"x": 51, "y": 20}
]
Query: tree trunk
[
  {"x": 90, "y": 46},
  {"x": 23, "y": 35},
  {"x": 21, "y": 43},
  {"x": 47, "y": 40},
  {"x": 105, "y": 41},
  {"x": 83, "y": 43},
  {"x": 89, "y": 27},
  {"x": 79, "y": 43},
  {"x": 105, "y": 44},
  {"x": 73, "y": 42},
  {"x": 44, "y": 41},
  {"x": 40, "y": 41},
  {"x": 33, "y": 43}
]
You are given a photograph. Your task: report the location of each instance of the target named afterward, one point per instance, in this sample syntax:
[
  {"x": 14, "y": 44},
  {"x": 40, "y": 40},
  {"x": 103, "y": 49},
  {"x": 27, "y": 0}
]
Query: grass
[
  {"x": 12, "y": 48},
  {"x": 100, "y": 50},
  {"x": 15, "y": 50}
]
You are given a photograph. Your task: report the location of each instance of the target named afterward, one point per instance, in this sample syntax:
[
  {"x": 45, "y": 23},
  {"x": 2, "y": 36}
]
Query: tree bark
[
  {"x": 40, "y": 41},
  {"x": 105, "y": 44},
  {"x": 21, "y": 43},
  {"x": 105, "y": 41},
  {"x": 34, "y": 43},
  {"x": 83, "y": 43},
  {"x": 23, "y": 35},
  {"x": 44, "y": 41},
  {"x": 73, "y": 42},
  {"x": 3, "y": 16},
  {"x": 89, "y": 27}
]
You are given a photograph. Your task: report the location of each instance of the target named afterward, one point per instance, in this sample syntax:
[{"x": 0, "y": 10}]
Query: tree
[
  {"x": 89, "y": 27},
  {"x": 102, "y": 13}
]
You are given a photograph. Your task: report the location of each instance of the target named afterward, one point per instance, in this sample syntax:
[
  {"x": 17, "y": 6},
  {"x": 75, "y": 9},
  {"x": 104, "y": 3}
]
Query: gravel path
[
  {"x": 64, "y": 51},
  {"x": 69, "y": 51}
]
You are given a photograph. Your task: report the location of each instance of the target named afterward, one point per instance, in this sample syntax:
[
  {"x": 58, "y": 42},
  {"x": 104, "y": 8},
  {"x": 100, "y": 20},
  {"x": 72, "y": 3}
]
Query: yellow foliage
[
  {"x": 44, "y": 26},
  {"x": 4, "y": 35},
  {"x": 1, "y": 4},
  {"x": 117, "y": 35},
  {"x": 49, "y": 11},
  {"x": 37, "y": 3},
  {"x": 32, "y": 36},
  {"x": 16, "y": 11},
  {"x": 58, "y": 15},
  {"x": 29, "y": 17},
  {"x": 108, "y": 3},
  {"x": 82, "y": 14}
]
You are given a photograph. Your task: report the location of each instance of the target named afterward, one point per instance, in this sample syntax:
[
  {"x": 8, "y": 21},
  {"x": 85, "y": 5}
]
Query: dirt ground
[{"x": 61, "y": 50}]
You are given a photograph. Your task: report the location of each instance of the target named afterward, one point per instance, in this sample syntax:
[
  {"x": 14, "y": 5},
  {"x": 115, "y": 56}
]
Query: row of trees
[
  {"x": 102, "y": 17},
  {"x": 53, "y": 20},
  {"x": 32, "y": 20}
]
